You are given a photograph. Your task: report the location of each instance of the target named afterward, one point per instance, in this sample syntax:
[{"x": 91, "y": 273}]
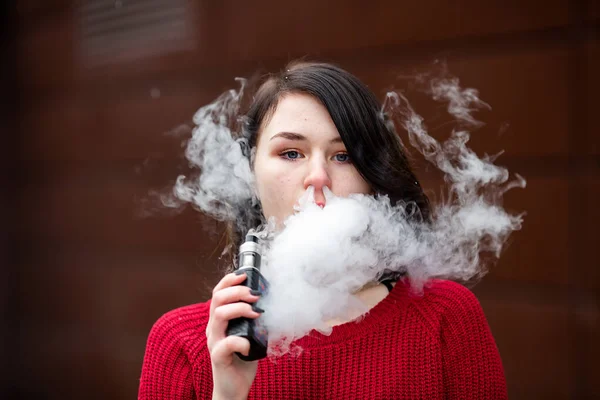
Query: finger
[
  {"x": 231, "y": 295},
  {"x": 223, "y": 352},
  {"x": 216, "y": 328},
  {"x": 227, "y": 281},
  {"x": 230, "y": 280},
  {"x": 223, "y": 314}
]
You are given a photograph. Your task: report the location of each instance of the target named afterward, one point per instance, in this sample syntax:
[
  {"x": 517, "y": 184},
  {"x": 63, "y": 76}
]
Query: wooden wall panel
[
  {"x": 99, "y": 206},
  {"x": 47, "y": 50},
  {"x": 31, "y": 8},
  {"x": 94, "y": 332},
  {"x": 76, "y": 363},
  {"x": 103, "y": 288},
  {"x": 539, "y": 252},
  {"x": 313, "y": 26},
  {"x": 590, "y": 316},
  {"x": 128, "y": 124},
  {"x": 527, "y": 321},
  {"x": 588, "y": 239},
  {"x": 592, "y": 10},
  {"x": 592, "y": 55},
  {"x": 520, "y": 86},
  {"x": 233, "y": 32}
]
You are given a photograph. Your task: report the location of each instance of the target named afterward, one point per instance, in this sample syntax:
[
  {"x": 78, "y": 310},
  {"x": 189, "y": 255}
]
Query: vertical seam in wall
[{"x": 576, "y": 200}]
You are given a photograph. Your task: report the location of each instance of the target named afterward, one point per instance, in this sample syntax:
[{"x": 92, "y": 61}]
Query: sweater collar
[{"x": 361, "y": 326}]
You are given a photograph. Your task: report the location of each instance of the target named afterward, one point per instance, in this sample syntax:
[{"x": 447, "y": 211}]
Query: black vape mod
[{"x": 251, "y": 329}]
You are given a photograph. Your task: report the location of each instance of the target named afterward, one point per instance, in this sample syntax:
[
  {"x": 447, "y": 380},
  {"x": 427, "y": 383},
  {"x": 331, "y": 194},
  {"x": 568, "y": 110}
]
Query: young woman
[{"x": 317, "y": 125}]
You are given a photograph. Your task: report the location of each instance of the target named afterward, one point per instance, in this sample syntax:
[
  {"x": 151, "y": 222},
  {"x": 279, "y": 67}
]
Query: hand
[{"x": 232, "y": 377}]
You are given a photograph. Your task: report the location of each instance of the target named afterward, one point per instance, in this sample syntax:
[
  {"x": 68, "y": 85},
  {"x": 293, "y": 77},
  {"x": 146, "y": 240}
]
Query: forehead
[{"x": 300, "y": 113}]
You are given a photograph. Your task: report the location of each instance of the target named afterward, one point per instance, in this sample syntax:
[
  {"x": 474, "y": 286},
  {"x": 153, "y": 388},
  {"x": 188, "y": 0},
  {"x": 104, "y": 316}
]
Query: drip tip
[{"x": 251, "y": 238}]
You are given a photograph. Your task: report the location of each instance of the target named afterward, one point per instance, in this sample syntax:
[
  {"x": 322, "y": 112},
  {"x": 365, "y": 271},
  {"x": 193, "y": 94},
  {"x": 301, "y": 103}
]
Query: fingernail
[
  {"x": 240, "y": 272},
  {"x": 254, "y": 292},
  {"x": 257, "y": 309}
]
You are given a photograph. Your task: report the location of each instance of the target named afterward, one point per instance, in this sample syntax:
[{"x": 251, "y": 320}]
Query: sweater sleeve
[
  {"x": 167, "y": 370},
  {"x": 471, "y": 360}
]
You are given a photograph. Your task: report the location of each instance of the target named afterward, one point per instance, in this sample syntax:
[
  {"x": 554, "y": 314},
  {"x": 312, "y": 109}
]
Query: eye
[
  {"x": 290, "y": 155},
  {"x": 342, "y": 157}
]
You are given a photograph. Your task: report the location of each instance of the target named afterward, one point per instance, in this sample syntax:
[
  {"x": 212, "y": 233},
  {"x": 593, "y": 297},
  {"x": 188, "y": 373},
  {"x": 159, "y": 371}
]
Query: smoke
[
  {"x": 323, "y": 256},
  {"x": 223, "y": 186}
]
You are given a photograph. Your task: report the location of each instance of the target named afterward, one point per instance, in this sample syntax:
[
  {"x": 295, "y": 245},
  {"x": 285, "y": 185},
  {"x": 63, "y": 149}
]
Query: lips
[{"x": 320, "y": 203}]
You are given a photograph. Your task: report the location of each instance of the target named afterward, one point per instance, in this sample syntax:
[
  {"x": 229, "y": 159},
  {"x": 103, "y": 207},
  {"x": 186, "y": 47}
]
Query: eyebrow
[{"x": 299, "y": 137}]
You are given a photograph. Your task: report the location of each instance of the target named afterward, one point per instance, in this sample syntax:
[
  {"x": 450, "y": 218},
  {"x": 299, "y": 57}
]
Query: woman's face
[{"x": 301, "y": 147}]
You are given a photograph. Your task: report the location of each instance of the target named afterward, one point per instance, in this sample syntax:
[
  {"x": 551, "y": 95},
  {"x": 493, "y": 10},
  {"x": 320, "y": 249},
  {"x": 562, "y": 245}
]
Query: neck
[{"x": 370, "y": 295}]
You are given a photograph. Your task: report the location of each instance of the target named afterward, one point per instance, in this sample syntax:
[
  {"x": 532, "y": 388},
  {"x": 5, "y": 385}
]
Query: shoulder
[
  {"x": 442, "y": 300},
  {"x": 175, "y": 348},
  {"x": 472, "y": 366},
  {"x": 449, "y": 294},
  {"x": 183, "y": 328},
  {"x": 184, "y": 318}
]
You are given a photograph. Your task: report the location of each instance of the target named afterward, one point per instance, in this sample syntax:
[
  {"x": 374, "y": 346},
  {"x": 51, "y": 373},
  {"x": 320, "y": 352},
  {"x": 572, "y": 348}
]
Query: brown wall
[{"x": 86, "y": 278}]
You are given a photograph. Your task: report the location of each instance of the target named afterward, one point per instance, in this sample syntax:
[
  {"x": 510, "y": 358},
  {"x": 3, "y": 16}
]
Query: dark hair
[{"x": 370, "y": 139}]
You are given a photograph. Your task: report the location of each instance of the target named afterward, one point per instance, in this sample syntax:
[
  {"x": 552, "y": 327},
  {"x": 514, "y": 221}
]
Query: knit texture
[{"x": 435, "y": 345}]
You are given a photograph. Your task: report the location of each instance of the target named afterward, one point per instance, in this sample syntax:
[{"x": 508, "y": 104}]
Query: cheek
[
  {"x": 278, "y": 189},
  {"x": 272, "y": 185},
  {"x": 352, "y": 182}
]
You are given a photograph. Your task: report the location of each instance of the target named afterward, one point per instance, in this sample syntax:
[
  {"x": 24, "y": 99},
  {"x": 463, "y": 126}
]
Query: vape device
[{"x": 252, "y": 329}]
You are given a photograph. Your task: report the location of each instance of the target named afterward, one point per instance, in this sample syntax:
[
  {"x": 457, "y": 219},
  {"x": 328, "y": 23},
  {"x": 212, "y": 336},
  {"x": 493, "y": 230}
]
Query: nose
[{"x": 318, "y": 177}]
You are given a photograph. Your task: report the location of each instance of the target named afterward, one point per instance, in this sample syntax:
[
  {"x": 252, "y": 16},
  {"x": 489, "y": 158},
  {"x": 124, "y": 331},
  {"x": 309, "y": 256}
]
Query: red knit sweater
[{"x": 432, "y": 346}]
